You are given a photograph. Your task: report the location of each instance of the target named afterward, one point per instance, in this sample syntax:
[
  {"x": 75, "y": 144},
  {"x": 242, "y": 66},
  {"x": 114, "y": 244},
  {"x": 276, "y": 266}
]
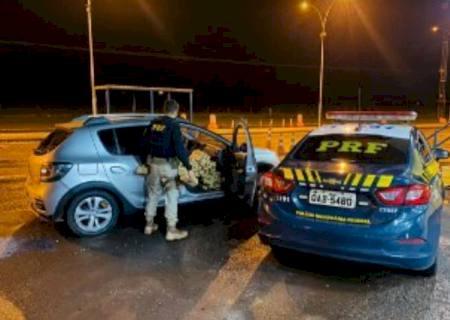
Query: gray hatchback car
[{"x": 83, "y": 173}]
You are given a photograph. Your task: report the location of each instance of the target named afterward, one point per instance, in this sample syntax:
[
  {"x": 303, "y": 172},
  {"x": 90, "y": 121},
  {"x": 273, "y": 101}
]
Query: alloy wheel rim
[{"x": 93, "y": 214}]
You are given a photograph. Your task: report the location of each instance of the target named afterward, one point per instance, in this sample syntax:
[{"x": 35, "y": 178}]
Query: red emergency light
[{"x": 371, "y": 116}]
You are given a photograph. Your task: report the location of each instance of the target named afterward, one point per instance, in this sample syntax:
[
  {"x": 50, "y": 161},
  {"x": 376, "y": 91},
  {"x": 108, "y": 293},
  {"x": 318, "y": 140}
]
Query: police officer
[{"x": 163, "y": 148}]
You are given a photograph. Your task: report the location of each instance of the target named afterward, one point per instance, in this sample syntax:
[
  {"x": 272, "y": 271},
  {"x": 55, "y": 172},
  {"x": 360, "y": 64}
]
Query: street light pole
[
  {"x": 322, "y": 75},
  {"x": 323, "y": 23},
  {"x": 91, "y": 57},
  {"x": 443, "y": 70}
]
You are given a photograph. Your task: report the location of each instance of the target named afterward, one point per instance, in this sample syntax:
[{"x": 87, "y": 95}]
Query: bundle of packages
[{"x": 205, "y": 169}]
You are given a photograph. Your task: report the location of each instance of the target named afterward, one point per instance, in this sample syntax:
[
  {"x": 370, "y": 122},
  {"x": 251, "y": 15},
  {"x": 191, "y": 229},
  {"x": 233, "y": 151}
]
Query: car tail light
[
  {"x": 392, "y": 196},
  {"x": 275, "y": 183},
  {"x": 416, "y": 194},
  {"x": 54, "y": 171}
]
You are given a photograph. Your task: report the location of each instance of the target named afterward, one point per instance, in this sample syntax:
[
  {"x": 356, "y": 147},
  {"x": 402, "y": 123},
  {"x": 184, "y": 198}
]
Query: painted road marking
[{"x": 231, "y": 281}]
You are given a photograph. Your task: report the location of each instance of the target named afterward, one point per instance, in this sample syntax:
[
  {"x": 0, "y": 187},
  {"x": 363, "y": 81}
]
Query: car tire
[{"x": 92, "y": 213}]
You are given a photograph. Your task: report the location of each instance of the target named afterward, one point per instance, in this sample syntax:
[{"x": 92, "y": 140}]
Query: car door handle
[{"x": 117, "y": 169}]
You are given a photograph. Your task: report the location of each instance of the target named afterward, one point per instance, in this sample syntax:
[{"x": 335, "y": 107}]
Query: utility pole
[
  {"x": 443, "y": 70},
  {"x": 323, "y": 34},
  {"x": 91, "y": 56}
]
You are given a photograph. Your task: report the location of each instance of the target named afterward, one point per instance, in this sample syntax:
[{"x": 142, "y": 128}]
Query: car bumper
[
  {"x": 342, "y": 242},
  {"x": 45, "y": 197}
]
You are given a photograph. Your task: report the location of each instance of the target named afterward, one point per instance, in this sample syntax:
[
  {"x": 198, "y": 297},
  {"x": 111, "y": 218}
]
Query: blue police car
[{"x": 362, "y": 190}]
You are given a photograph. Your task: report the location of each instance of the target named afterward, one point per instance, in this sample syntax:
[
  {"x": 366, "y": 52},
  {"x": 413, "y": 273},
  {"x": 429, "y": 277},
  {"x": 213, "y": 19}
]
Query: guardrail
[{"x": 255, "y": 130}]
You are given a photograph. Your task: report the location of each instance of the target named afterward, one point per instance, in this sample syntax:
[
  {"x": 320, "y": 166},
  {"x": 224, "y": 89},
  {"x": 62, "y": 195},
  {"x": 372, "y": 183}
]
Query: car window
[
  {"x": 365, "y": 149},
  {"x": 423, "y": 148},
  {"x": 130, "y": 139},
  {"x": 122, "y": 141},
  {"x": 189, "y": 133},
  {"x": 241, "y": 137},
  {"x": 196, "y": 139},
  {"x": 52, "y": 141},
  {"x": 210, "y": 142},
  {"x": 109, "y": 140}
]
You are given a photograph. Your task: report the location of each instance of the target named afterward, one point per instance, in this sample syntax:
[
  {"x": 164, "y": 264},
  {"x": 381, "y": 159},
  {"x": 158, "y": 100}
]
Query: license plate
[{"x": 337, "y": 199}]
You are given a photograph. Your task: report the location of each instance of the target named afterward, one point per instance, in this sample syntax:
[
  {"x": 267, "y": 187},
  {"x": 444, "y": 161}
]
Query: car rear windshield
[
  {"x": 52, "y": 141},
  {"x": 366, "y": 149}
]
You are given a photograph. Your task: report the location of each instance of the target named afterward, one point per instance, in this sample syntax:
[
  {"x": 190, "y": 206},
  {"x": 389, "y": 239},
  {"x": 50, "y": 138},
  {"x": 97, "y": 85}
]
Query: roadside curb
[{"x": 32, "y": 136}]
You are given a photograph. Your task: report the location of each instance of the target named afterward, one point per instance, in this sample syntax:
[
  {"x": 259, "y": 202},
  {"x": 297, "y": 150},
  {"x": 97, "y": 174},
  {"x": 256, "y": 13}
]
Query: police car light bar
[{"x": 376, "y": 116}]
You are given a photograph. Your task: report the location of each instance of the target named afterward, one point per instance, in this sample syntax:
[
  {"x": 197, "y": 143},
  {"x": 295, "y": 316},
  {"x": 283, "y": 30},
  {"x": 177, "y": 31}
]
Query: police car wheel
[{"x": 92, "y": 213}]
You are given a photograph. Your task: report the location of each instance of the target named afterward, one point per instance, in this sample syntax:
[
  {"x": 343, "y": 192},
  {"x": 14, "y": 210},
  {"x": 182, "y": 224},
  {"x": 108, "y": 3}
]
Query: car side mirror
[{"x": 441, "y": 154}]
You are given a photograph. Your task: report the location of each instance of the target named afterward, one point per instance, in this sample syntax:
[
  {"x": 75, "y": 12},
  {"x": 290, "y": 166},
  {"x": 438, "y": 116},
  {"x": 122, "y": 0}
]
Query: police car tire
[{"x": 70, "y": 213}]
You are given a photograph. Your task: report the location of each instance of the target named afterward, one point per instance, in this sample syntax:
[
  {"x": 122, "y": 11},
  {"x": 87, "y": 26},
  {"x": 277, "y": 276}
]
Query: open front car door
[{"x": 245, "y": 173}]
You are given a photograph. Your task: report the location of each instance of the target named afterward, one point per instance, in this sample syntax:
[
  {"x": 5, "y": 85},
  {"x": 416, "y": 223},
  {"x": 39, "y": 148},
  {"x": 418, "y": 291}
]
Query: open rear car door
[{"x": 245, "y": 172}]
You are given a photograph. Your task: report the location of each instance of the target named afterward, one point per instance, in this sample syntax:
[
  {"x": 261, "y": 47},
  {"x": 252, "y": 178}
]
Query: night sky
[{"x": 388, "y": 42}]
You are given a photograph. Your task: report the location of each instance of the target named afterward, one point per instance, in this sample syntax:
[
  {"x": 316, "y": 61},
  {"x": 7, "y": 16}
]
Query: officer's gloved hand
[{"x": 142, "y": 170}]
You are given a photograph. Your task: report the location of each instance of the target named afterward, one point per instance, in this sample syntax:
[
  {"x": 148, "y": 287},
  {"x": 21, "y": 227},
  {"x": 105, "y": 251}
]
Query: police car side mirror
[{"x": 441, "y": 154}]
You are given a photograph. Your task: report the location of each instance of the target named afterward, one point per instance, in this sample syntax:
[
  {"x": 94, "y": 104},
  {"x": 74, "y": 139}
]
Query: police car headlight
[{"x": 54, "y": 171}]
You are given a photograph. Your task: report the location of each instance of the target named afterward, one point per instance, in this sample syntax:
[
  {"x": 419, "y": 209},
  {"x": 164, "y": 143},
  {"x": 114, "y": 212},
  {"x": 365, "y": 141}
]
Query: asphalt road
[{"x": 220, "y": 272}]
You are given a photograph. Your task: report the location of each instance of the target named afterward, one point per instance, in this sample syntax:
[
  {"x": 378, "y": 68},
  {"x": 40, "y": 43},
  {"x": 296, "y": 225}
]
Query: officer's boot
[
  {"x": 150, "y": 228},
  {"x": 175, "y": 234}
]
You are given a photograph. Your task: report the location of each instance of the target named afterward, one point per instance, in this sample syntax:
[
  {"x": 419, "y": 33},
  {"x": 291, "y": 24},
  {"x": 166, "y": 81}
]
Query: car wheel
[{"x": 92, "y": 213}]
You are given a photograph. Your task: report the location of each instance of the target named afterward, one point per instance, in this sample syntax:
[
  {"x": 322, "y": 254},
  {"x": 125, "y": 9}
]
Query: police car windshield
[{"x": 365, "y": 149}]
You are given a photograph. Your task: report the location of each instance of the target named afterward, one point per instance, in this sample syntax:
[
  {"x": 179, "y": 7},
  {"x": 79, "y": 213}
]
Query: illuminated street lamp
[
  {"x": 91, "y": 57},
  {"x": 323, "y": 16}
]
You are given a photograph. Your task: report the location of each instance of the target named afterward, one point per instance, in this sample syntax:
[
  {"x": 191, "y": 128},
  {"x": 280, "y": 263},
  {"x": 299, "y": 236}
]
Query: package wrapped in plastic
[{"x": 205, "y": 169}]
